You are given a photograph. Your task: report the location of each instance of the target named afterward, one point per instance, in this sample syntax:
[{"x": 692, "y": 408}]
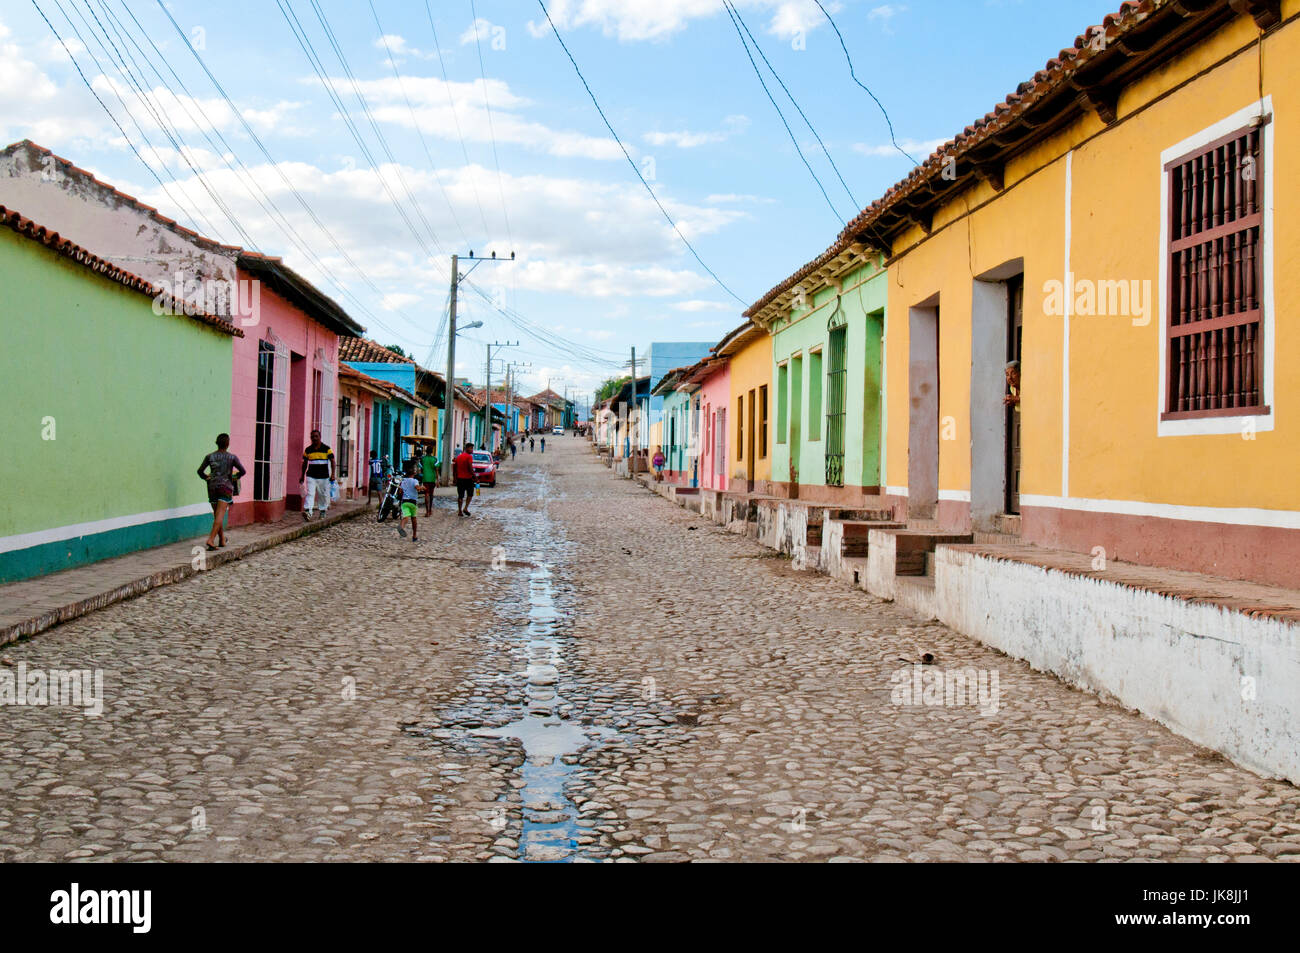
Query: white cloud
[
  {"x": 918, "y": 148},
  {"x": 443, "y": 109},
  {"x": 794, "y": 17},
  {"x": 696, "y": 304},
  {"x": 731, "y": 126},
  {"x": 884, "y": 15},
  {"x": 601, "y": 280},
  {"x": 400, "y": 48},
  {"x": 734, "y": 198},
  {"x": 482, "y": 31},
  {"x": 397, "y": 300},
  {"x": 636, "y": 20}
]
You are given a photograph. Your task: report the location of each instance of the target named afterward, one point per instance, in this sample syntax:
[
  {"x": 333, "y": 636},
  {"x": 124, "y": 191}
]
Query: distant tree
[
  {"x": 610, "y": 387},
  {"x": 396, "y": 350}
]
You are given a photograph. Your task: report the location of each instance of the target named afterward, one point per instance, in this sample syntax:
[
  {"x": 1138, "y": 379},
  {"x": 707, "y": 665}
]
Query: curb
[{"x": 165, "y": 577}]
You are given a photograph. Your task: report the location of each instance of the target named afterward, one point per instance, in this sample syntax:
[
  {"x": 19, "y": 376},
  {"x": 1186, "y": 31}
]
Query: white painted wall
[{"x": 1178, "y": 662}]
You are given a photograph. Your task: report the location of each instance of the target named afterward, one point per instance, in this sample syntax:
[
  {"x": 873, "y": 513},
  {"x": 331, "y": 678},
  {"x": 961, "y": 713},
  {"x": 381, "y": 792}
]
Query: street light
[{"x": 470, "y": 326}]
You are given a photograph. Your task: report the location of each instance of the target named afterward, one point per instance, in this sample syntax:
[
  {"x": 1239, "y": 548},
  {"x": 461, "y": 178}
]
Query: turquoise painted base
[{"x": 65, "y": 554}]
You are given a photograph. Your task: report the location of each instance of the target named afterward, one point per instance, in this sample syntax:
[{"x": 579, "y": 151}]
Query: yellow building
[
  {"x": 749, "y": 352},
  {"x": 1109, "y": 233}
]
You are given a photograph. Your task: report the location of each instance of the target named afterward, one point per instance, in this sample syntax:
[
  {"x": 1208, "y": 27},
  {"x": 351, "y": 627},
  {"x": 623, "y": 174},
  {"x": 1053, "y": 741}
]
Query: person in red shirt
[{"x": 463, "y": 471}]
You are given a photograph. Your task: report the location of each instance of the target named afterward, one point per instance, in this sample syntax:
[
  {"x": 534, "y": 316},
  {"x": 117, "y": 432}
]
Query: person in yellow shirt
[{"x": 317, "y": 475}]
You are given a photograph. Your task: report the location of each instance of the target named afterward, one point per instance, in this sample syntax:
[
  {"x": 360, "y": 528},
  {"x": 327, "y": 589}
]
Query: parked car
[
  {"x": 485, "y": 468},
  {"x": 558, "y": 431}
]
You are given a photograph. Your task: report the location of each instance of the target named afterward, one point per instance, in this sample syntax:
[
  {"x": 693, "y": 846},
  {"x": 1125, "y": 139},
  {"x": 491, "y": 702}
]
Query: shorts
[
  {"x": 220, "y": 493},
  {"x": 409, "y": 508},
  {"x": 464, "y": 487}
]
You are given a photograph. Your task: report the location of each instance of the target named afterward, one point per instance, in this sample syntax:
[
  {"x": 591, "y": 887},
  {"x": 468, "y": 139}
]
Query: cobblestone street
[{"x": 581, "y": 671}]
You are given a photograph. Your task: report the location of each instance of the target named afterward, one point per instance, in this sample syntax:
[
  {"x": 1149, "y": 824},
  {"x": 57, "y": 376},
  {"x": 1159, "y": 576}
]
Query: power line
[
  {"x": 155, "y": 110},
  {"x": 446, "y": 85},
  {"x": 796, "y": 105},
  {"x": 109, "y": 112},
  {"x": 248, "y": 129},
  {"x": 790, "y": 132},
  {"x": 226, "y": 153},
  {"x": 487, "y": 105},
  {"x": 416, "y": 123},
  {"x": 383, "y": 140},
  {"x": 626, "y": 155},
  {"x": 849, "y": 60}
]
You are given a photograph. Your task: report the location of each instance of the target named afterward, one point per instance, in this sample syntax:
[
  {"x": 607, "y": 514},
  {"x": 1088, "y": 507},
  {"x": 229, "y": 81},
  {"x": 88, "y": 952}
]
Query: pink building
[
  {"x": 285, "y": 384},
  {"x": 709, "y": 384}
]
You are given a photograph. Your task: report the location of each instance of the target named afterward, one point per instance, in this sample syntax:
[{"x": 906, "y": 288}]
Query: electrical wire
[
  {"x": 626, "y": 155},
  {"x": 790, "y": 132},
  {"x": 849, "y": 60},
  {"x": 433, "y": 166},
  {"x": 446, "y": 85},
  {"x": 796, "y": 105}
]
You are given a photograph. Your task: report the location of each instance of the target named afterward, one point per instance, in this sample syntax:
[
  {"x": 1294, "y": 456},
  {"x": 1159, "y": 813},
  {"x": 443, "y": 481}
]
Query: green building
[
  {"x": 827, "y": 331},
  {"x": 112, "y": 398}
]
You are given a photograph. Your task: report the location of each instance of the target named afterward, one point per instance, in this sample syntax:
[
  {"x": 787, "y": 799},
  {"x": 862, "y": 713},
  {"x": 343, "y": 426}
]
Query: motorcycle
[{"x": 390, "y": 502}]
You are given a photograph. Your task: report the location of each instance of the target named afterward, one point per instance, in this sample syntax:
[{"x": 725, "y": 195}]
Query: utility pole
[
  {"x": 487, "y": 396},
  {"x": 449, "y": 394},
  {"x": 631, "y": 446},
  {"x": 449, "y": 397}
]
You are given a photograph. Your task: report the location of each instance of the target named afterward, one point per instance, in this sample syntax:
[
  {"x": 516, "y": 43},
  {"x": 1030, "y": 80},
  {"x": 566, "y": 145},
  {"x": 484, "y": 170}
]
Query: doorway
[
  {"x": 923, "y": 425},
  {"x": 1015, "y": 336},
  {"x": 751, "y": 429}
]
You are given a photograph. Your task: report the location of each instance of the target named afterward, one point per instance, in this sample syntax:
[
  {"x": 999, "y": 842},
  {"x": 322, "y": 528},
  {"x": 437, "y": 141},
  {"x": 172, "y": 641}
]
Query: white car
[{"x": 557, "y": 431}]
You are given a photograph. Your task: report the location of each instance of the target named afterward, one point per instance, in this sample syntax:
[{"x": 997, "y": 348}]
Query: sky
[{"x": 368, "y": 141}]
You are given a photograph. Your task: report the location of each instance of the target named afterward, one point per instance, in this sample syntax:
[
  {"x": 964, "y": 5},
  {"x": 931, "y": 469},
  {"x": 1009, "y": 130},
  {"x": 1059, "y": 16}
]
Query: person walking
[
  {"x": 317, "y": 475},
  {"x": 531, "y": 444},
  {"x": 375, "y": 479},
  {"x": 429, "y": 472},
  {"x": 658, "y": 463},
  {"x": 513, "y": 448},
  {"x": 410, "y": 501},
  {"x": 224, "y": 472},
  {"x": 463, "y": 470},
  {"x": 543, "y": 443}
]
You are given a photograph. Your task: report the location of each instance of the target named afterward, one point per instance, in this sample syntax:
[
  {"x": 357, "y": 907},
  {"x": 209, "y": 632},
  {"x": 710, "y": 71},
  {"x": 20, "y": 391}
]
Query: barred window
[{"x": 1215, "y": 287}]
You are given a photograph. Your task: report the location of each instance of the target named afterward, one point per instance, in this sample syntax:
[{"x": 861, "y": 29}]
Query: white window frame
[{"x": 1232, "y": 424}]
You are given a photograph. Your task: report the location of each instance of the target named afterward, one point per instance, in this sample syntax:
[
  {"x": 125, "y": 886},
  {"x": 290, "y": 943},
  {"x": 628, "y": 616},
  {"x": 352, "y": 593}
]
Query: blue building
[{"x": 663, "y": 357}]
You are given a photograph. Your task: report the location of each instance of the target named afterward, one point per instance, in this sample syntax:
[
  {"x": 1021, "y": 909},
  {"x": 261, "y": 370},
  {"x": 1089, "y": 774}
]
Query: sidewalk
[{"x": 34, "y": 605}]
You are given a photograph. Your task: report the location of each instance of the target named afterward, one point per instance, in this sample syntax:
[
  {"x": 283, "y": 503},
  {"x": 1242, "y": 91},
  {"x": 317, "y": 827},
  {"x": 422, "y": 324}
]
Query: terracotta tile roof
[
  {"x": 733, "y": 340},
  {"x": 367, "y": 351},
  {"x": 54, "y": 241},
  {"x": 1093, "y": 70},
  {"x": 171, "y": 223},
  {"x": 300, "y": 292},
  {"x": 284, "y": 279},
  {"x": 546, "y": 397}
]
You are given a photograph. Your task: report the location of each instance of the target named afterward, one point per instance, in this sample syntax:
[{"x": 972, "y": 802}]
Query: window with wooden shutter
[{"x": 1215, "y": 323}]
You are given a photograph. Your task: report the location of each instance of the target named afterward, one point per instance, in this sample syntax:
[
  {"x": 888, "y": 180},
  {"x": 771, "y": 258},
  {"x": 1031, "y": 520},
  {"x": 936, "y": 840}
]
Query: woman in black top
[{"x": 224, "y": 472}]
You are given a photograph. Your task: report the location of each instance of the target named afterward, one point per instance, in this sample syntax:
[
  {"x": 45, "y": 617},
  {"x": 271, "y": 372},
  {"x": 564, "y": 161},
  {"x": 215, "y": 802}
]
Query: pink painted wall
[
  {"x": 359, "y": 462},
  {"x": 303, "y": 336},
  {"x": 715, "y": 395}
]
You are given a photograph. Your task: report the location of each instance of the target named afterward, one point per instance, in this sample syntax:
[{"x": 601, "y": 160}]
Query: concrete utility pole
[
  {"x": 487, "y": 395},
  {"x": 631, "y": 446},
  {"x": 449, "y": 395},
  {"x": 449, "y": 398}
]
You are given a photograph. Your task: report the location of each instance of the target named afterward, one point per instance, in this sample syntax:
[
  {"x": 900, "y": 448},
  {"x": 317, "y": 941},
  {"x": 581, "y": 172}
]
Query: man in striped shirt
[{"x": 317, "y": 474}]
